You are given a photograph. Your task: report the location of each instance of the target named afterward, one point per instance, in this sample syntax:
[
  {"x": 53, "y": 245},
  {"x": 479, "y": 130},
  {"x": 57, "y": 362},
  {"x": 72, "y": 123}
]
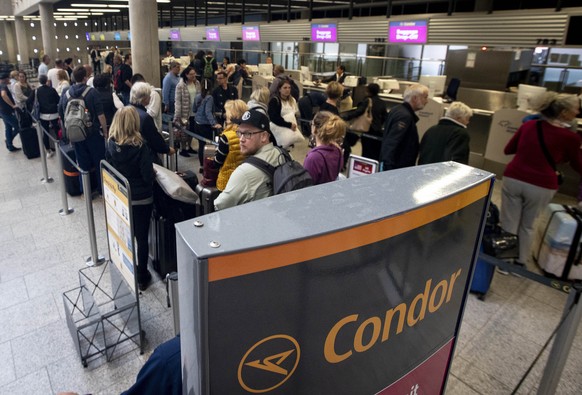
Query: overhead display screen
[
  {"x": 408, "y": 32},
  {"x": 212, "y": 34},
  {"x": 324, "y": 32},
  {"x": 117, "y": 36},
  {"x": 175, "y": 35},
  {"x": 251, "y": 33}
]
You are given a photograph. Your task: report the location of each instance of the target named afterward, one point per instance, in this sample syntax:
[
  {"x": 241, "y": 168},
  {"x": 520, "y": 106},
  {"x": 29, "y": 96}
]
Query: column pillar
[
  {"x": 22, "y": 39},
  {"x": 143, "y": 24},
  {"x": 47, "y": 20},
  {"x": 10, "y": 40}
]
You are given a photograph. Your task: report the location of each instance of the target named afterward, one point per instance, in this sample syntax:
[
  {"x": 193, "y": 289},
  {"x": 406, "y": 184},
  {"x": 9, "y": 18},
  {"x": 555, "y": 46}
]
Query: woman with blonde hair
[
  {"x": 325, "y": 161},
  {"x": 228, "y": 155},
  {"x": 63, "y": 81},
  {"x": 127, "y": 152}
]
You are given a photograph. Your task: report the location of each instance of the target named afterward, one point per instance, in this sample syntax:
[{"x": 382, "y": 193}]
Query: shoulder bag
[
  {"x": 363, "y": 122},
  {"x": 547, "y": 153}
]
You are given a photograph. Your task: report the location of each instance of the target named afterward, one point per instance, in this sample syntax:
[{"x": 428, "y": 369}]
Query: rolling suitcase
[
  {"x": 166, "y": 213},
  {"x": 206, "y": 195},
  {"x": 482, "y": 278},
  {"x": 29, "y": 140},
  {"x": 71, "y": 176},
  {"x": 558, "y": 251}
]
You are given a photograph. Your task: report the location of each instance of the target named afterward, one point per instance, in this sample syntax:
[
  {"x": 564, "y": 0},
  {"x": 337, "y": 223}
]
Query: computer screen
[
  {"x": 117, "y": 36},
  {"x": 265, "y": 69},
  {"x": 305, "y": 74},
  {"x": 324, "y": 32},
  {"x": 526, "y": 96},
  {"x": 251, "y": 33},
  {"x": 407, "y": 32},
  {"x": 212, "y": 34},
  {"x": 388, "y": 85},
  {"x": 434, "y": 83}
]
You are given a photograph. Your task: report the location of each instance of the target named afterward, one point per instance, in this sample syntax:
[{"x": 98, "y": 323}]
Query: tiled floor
[{"x": 41, "y": 253}]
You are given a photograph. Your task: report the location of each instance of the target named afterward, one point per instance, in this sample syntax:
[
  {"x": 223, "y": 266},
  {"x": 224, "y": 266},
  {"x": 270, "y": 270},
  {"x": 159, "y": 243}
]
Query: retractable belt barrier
[
  {"x": 94, "y": 259},
  {"x": 199, "y": 137}
]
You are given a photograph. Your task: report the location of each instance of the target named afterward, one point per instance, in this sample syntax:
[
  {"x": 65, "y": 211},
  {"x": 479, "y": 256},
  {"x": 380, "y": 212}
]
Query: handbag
[
  {"x": 547, "y": 154},
  {"x": 363, "y": 122},
  {"x": 497, "y": 242}
]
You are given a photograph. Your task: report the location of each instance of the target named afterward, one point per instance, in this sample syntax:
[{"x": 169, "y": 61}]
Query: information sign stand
[{"x": 103, "y": 313}]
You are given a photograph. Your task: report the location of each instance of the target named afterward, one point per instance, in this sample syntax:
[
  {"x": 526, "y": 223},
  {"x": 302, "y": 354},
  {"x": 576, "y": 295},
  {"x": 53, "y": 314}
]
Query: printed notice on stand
[{"x": 117, "y": 213}]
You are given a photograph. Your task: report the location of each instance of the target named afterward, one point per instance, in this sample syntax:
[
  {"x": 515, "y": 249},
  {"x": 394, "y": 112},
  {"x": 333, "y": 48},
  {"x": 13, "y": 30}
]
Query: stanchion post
[
  {"x": 94, "y": 259},
  {"x": 39, "y": 133},
  {"x": 66, "y": 210},
  {"x": 562, "y": 343}
]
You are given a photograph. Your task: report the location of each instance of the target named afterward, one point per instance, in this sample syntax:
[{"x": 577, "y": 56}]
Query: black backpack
[{"x": 287, "y": 176}]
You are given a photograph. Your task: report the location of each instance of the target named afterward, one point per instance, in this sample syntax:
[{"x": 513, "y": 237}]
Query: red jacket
[{"x": 530, "y": 165}]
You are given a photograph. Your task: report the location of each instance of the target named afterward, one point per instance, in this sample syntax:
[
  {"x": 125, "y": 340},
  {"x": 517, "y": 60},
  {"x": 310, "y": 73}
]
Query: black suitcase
[
  {"x": 206, "y": 197},
  {"x": 166, "y": 213},
  {"x": 29, "y": 140},
  {"x": 71, "y": 176}
]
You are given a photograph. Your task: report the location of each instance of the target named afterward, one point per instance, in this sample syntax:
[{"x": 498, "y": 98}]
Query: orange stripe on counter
[{"x": 247, "y": 262}]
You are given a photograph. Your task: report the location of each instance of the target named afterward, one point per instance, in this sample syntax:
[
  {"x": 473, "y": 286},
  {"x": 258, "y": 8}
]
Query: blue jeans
[
  {"x": 89, "y": 155},
  {"x": 10, "y": 126},
  {"x": 125, "y": 97}
]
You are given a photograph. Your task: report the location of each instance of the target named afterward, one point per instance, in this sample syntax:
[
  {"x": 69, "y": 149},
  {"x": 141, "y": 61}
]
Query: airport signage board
[
  {"x": 372, "y": 309},
  {"x": 175, "y": 35},
  {"x": 408, "y": 32},
  {"x": 251, "y": 33},
  {"x": 117, "y": 36},
  {"x": 324, "y": 32},
  {"x": 212, "y": 34}
]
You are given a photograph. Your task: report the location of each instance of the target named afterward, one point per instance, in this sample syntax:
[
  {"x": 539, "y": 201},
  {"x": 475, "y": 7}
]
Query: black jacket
[
  {"x": 48, "y": 99},
  {"x": 135, "y": 164},
  {"x": 150, "y": 134},
  {"x": 106, "y": 97},
  {"x": 400, "y": 143},
  {"x": 443, "y": 142},
  {"x": 220, "y": 96}
]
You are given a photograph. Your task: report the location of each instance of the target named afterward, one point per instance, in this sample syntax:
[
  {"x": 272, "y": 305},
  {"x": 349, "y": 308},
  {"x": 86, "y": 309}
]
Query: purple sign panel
[
  {"x": 212, "y": 34},
  {"x": 326, "y": 33},
  {"x": 251, "y": 33},
  {"x": 175, "y": 35},
  {"x": 88, "y": 36},
  {"x": 408, "y": 32}
]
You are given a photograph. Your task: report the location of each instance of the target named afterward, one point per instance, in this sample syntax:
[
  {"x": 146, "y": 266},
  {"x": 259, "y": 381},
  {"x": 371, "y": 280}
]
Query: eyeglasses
[{"x": 247, "y": 135}]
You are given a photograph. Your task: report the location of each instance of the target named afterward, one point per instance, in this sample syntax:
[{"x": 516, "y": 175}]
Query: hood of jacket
[{"x": 122, "y": 154}]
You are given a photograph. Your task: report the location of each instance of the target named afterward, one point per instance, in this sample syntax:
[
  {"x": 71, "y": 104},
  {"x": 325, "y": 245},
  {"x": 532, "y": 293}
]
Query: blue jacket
[
  {"x": 169, "y": 88},
  {"x": 204, "y": 110}
]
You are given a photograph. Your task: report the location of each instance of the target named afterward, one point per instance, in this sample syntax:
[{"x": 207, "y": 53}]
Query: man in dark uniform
[{"x": 400, "y": 143}]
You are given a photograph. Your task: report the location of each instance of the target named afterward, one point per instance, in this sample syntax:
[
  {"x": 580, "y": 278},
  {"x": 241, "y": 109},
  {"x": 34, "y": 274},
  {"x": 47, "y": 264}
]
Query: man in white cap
[{"x": 248, "y": 183}]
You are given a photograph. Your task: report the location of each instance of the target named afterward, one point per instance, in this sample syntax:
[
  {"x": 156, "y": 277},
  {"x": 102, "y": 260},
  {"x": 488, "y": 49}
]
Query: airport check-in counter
[{"x": 351, "y": 287}]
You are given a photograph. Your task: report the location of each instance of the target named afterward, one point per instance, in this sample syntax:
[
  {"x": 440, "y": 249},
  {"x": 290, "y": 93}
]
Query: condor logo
[{"x": 268, "y": 364}]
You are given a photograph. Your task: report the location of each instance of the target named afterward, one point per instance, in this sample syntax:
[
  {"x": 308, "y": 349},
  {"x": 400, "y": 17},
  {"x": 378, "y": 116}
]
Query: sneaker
[
  {"x": 50, "y": 153},
  {"x": 14, "y": 149},
  {"x": 184, "y": 153},
  {"x": 501, "y": 271},
  {"x": 142, "y": 286}
]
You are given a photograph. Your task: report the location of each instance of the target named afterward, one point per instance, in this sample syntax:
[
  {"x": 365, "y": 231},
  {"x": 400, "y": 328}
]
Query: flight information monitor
[
  {"x": 408, "y": 32},
  {"x": 324, "y": 32},
  {"x": 251, "y": 33}
]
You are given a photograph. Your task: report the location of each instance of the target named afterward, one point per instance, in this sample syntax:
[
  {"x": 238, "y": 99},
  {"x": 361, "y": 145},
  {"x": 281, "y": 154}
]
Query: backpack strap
[
  {"x": 87, "y": 89},
  {"x": 261, "y": 164}
]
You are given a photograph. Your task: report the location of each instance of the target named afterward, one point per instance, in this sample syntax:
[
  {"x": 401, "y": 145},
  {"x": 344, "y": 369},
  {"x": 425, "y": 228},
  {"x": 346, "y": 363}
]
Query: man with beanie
[{"x": 249, "y": 183}]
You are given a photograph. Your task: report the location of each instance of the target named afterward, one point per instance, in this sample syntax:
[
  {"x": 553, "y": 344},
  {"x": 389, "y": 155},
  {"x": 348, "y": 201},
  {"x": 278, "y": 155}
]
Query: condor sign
[{"x": 357, "y": 290}]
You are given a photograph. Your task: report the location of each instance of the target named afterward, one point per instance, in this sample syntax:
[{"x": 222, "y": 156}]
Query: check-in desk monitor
[
  {"x": 305, "y": 74},
  {"x": 388, "y": 85},
  {"x": 434, "y": 83},
  {"x": 265, "y": 69}
]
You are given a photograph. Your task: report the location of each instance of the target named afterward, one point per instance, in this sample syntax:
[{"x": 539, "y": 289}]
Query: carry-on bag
[
  {"x": 206, "y": 197},
  {"x": 71, "y": 176},
  {"x": 557, "y": 242},
  {"x": 29, "y": 140},
  {"x": 482, "y": 278}
]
